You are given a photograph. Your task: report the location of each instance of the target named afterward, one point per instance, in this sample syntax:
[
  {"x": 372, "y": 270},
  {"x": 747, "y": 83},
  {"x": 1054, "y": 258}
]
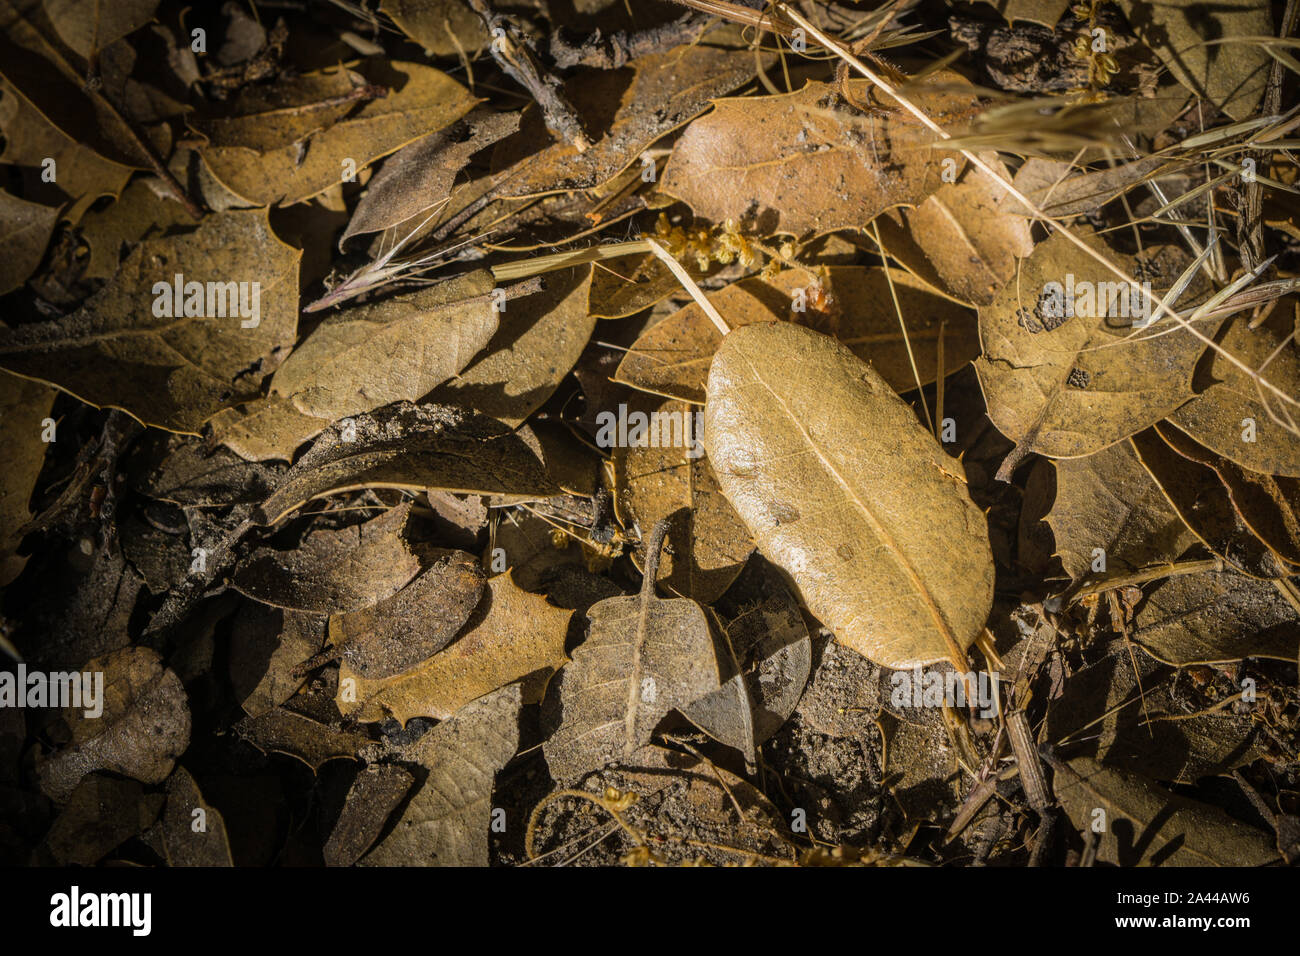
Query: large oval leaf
[{"x": 841, "y": 486}]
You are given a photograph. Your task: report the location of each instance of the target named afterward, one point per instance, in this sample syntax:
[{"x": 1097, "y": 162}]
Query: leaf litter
[{"x": 605, "y": 447}]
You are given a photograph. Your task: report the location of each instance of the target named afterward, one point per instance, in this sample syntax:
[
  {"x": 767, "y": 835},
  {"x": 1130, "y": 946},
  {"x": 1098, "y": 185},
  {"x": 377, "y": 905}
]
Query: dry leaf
[
  {"x": 266, "y": 644},
  {"x": 807, "y": 162},
  {"x": 643, "y": 657},
  {"x": 1232, "y": 76},
  {"x": 420, "y": 176},
  {"x": 1109, "y": 501},
  {"x": 296, "y": 735},
  {"x": 24, "y": 406},
  {"x": 90, "y": 25},
  {"x": 25, "y": 229},
  {"x": 959, "y": 240},
  {"x": 421, "y": 99},
  {"x": 144, "y": 726},
  {"x": 446, "y": 822},
  {"x": 774, "y": 653},
  {"x": 540, "y": 339},
  {"x": 397, "y": 349},
  {"x": 413, "y": 447},
  {"x": 1229, "y": 416},
  {"x": 1202, "y": 501},
  {"x": 193, "y": 832},
  {"x": 415, "y": 623},
  {"x": 510, "y": 635},
  {"x": 1065, "y": 385},
  {"x": 1268, "y": 505},
  {"x": 172, "y": 371},
  {"x": 632, "y": 106},
  {"x": 82, "y": 175},
  {"x": 709, "y": 544},
  {"x": 1217, "y": 616},
  {"x": 373, "y": 796},
  {"x": 672, "y": 357},
  {"x": 333, "y": 572},
  {"x": 841, "y": 486},
  {"x": 1147, "y": 825}
]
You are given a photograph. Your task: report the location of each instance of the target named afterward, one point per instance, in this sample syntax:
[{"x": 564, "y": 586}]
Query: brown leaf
[
  {"x": 643, "y": 657},
  {"x": 807, "y": 162},
  {"x": 651, "y": 482},
  {"x": 1202, "y": 501},
  {"x": 333, "y": 572},
  {"x": 420, "y": 176},
  {"x": 415, "y": 623},
  {"x": 421, "y": 99},
  {"x": 25, "y": 229},
  {"x": 172, "y": 371},
  {"x": 90, "y": 25},
  {"x": 1229, "y": 416},
  {"x": 632, "y": 106},
  {"x": 959, "y": 240},
  {"x": 774, "y": 653},
  {"x": 1069, "y": 385},
  {"x": 397, "y": 349},
  {"x": 266, "y": 644},
  {"x": 1109, "y": 501},
  {"x": 296, "y": 735},
  {"x": 101, "y": 814},
  {"x": 33, "y": 60},
  {"x": 24, "y": 406},
  {"x": 510, "y": 635},
  {"x": 193, "y": 832},
  {"x": 373, "y": 796},
  {"x": 1147, "y": 825},
  {"x": 1217, "y": 616},
  {"x": 1269, "y": 505},
  {"x": 540, "y": 339},
  {"x": 144, "y": 726},
  {"x": 446, "y": 822},
  {"x": 82, "y": 175},
  {"x": 413, "y": 447},
  {"x": 841, "y": 486},
  {"x": 672, "y": 357}
]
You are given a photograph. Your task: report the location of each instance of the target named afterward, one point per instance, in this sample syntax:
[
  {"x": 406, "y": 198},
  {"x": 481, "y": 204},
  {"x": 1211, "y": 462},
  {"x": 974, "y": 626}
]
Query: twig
[{"x": 514, "y": 54}]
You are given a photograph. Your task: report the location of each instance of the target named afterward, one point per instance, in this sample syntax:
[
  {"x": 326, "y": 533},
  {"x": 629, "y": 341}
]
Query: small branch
[{"x": 514, "y": 54}]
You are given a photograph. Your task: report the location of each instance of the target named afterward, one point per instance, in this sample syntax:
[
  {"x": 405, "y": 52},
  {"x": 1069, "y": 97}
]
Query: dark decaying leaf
[
  {"x": 412, "y": 447},
  {"x": 374, "y": 794},
  {"x": 288, "y": 732},
  {"x": 771, "y": 647},
  {"x": 144, "y": 725},
  {"x": 333, "y": 572},
  {"x": 418, "y": 621},
  {"x": 1217, "y": 616},
  {"x": 1147, "y": 825},
  {"x": 193, "y": 832},
  {"x": 643, "y": 656}
]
